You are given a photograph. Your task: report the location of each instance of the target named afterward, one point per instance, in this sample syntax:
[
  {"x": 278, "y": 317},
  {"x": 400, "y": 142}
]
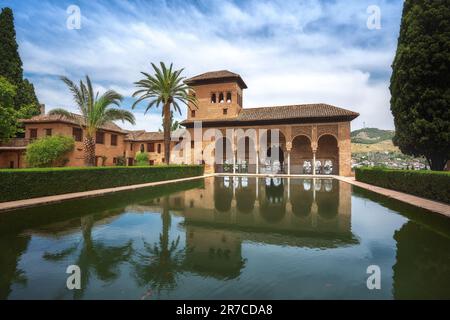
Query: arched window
[
  {"x": 221, "y": 98},
  {"x": 213, "y": 98},
  {"x": 228, "y": 97},
  {"x": 142, "y": 148}
]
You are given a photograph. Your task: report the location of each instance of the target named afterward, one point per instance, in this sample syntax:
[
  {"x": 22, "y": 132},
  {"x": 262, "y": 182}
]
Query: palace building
[{"x": 311, "y": 138}]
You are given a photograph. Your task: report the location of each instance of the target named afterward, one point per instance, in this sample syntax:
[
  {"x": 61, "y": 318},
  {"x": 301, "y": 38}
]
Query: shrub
[
  {"x": 49, "y": 151},
  {"x": 141, "y": 159},
  {"x": 38, "y": 182},
  {"x": 428, "y": 184},
  {"x": 121, "y": 161}
]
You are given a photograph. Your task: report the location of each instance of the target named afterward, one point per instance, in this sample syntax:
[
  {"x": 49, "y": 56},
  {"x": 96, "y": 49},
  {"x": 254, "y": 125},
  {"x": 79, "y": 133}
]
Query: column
[
  {"x": 289, "y": 162},
  {"x": 314, "y": 162},
  {"x": 257, "y": 161}
]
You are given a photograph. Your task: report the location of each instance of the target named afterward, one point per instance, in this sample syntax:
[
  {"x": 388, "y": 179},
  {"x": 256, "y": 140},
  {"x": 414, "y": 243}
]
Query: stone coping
[{"x": 434, "y": 206}]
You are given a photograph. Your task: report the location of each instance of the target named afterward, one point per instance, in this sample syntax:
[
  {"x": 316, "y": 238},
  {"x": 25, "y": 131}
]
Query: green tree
[
  {"x": 11, "y": 64},
  {"x": 9, "y": 116},
  {"x": 49, "y": 151},
  {"x": 95, "y": 111},
  {"x": 141, "y": 158},
  {"x": 165, "y": 88},
  {"x": 420, "y": 91}
]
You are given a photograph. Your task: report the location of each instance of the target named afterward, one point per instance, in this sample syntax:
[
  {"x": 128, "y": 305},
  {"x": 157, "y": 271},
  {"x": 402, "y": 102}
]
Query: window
[
  {"x": 239, "y": 97},
  {"x": 33, "y": 133},
  {"x": 225, "y": 111},
  {"x": 77, "y": 134},
  {"x": 159, "y": 147},
  {"x": 221, "y": 97},
  {"x": 150, "y": 147},
  {"x": 142, "y": 148},
  {"x": 192, "y": 144},
  {"x": 114, "y": 160},
  {"x": 131, "y": 147},
  {"x": 48, "y": 132},
  {"x": 151, "y": 162},
  {"x": 228, "y": 97},
  {"x": 213, "y": 98},
  {"x": 99, "y": 137},
  {"x": 193, "y": 113},
  {"x": 114, "y": 139}
]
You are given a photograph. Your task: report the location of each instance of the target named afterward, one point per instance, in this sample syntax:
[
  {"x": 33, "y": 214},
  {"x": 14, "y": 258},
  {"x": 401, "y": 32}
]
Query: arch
[
  {"x": 301, "y": 199},
  {"x": 272, "y": 205},
  {"x": 246, "y": 154},
  {"x": 221, "y": 99},
  {"x": 223, "y": 195},
  {"x": 228, "y": 97},
  {"x": 272, "y": 153},
  {"x": 245, "y": 199},
  {"x": 328, "y": 202},
  {"x": 301, "y": 155},
  {"x": 328, "y": 150},
  {"x": 223, "y": 155},
  {"x": 213, "y": 98}
]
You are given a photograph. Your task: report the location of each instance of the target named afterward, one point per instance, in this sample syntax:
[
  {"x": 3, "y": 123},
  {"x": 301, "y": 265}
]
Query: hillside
[{"x": 371, "y": 135}]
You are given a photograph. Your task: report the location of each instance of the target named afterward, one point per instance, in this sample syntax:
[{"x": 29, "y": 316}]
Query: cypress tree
[
  {"x": 11, "y": 64},
  {"x": 420, "y": 90}
]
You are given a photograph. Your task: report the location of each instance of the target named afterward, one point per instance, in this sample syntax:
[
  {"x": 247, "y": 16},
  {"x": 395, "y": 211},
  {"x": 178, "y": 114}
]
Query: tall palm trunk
[
  {"x": 89, "y": 151},
  {"x": 166, "y": 129}
]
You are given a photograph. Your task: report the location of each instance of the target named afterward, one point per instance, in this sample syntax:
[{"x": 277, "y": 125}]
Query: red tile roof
[
  {"x": 216, "y": 76},
  {"x": 290, "y": 112},
  {"x": 46, "y": 118},
  {"x": 142, "y": 135}
]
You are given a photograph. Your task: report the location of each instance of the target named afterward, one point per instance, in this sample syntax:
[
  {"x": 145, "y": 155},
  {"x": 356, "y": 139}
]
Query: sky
[{"x": 287, "y": 52}]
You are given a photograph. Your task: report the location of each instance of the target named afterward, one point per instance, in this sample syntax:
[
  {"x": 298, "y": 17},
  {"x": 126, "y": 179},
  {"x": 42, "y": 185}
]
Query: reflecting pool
[{"x": 227, "y": 238}]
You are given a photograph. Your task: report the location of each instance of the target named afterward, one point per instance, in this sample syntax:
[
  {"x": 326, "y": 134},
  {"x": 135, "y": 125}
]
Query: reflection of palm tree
[
  {"x": 159, "y": 265},
  {"x": 94, "y": 256}
]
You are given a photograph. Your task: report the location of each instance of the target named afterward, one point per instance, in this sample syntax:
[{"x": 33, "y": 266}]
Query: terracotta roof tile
[
  {"x": 111, "y": 126},
  {"x": 299, "y": 111},
  {"x": 142, "y": 135},
  {"x": 214, "y": 76}
]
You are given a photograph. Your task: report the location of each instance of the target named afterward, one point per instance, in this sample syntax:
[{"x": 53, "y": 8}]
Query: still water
[{"x": 227, "y": 238}]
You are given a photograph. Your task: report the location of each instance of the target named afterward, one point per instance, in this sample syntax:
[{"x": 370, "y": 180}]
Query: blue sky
[{"x": 288, "y": 52}]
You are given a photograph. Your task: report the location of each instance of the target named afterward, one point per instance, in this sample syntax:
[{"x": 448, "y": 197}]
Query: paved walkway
[
  {"x": 26, "y": 203},
  {"x": 431, "y": 205}
]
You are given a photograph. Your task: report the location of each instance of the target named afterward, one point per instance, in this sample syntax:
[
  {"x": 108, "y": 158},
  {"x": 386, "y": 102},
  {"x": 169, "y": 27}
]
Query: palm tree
[
  {"x": 166, "y": 88},
  {"x": 95, "y": 111}
]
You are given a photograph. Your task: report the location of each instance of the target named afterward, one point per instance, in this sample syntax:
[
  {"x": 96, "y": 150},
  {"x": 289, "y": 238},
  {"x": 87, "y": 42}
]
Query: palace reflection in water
[{"x": 227, "y": 237}]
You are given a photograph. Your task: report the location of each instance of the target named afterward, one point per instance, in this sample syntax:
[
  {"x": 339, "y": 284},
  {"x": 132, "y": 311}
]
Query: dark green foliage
[
  {"x": 121, "y": 161},
  {"x": 371, "y": 135},
  {"x": 11, "y": 64},
  {"x": 49, "y": 151},
  {"x": 420, "y": 81},
  {"x": 428, "y": 184},
  {"x": 30, "y": 183}
]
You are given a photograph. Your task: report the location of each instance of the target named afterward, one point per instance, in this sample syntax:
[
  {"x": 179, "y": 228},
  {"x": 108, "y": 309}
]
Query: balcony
[{"x": 15, "y": 143}]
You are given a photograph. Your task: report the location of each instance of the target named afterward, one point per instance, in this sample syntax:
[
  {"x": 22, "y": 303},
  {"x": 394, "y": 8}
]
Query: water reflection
[{"x": 159, "y": 243}]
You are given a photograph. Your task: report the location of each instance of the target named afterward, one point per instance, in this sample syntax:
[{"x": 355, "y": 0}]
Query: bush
[
  {"x": 49, "y": 151},
  {"x": 121, "y": 161},
  {"x": 428, "y": 184},
  {"x": 141, "y": 159},
  {"x": 38, "y": 182}
]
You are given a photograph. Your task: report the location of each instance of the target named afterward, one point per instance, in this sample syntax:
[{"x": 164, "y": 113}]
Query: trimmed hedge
[
  {"x": 433, "y": 185},
  {"x": 16, "y": 184}
]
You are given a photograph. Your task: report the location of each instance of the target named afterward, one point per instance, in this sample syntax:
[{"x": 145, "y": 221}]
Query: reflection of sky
[{"x": 288, "y": 51}]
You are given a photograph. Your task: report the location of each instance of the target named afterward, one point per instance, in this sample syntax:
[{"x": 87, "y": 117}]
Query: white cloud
[{"x": 287, "y": 52}]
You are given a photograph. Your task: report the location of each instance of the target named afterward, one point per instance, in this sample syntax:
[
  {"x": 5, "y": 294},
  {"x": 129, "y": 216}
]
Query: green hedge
[
  {"x": 38, "y": 182},
  {"x": 433, "y": 185}
]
